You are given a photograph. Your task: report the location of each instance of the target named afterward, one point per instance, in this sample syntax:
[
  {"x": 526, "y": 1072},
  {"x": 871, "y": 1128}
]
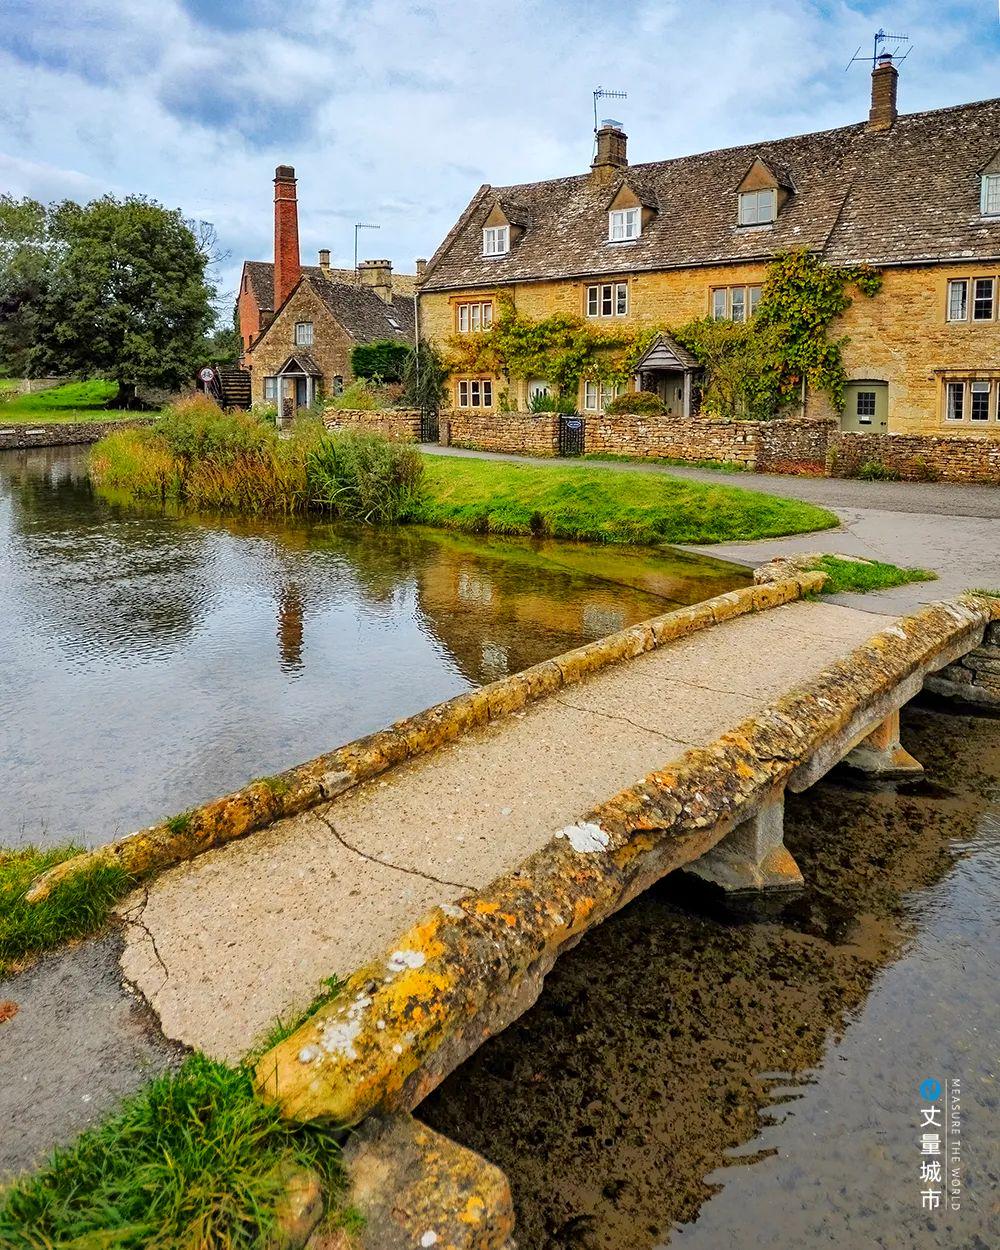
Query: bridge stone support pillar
[
  {"x": 881, "y": 755},
  {"x": 753, "y": 856}
]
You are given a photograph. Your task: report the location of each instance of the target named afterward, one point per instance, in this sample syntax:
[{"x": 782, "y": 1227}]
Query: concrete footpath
[
  {"x": 224, "y": 944},
  {"x": 952, "y": 530}
]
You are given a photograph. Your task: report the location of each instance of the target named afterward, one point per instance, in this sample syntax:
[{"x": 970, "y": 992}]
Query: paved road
[{"x": 952, "y": 530}]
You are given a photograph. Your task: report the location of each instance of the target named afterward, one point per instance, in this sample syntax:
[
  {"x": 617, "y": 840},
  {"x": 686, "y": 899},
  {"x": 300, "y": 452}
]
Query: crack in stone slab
[
  {"x": 134, "y": 918},
  {"x": 625, "y": 720},
  {"x": 387, "y": 863}
]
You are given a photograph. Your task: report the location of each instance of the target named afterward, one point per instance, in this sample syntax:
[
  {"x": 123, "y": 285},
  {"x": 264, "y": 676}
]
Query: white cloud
[{"x": 394, "y": 111}]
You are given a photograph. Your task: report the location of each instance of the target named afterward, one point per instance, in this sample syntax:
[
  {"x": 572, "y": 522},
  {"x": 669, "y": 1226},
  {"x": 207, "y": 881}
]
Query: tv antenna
[
  {"x": 883, "y": 44},
  {"x": 604, "y": 93},
  {"x": 361, "y": 225}
]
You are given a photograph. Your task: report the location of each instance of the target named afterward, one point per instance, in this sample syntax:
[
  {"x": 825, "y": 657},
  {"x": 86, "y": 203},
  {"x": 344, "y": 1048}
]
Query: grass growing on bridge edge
[
  {"x": 861, "y": 576},
  {"x": 193, "y": 1160},
  {"x": 79, "y": 905},
  {"x": 602, "y": 505}
]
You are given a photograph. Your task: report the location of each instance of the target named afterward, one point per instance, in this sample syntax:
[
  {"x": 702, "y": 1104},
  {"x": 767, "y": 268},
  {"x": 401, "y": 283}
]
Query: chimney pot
[
  {"x": 885, "y": 79},
  {"x": 287, "y": 264},
  {"x": 421, "y": 268}
]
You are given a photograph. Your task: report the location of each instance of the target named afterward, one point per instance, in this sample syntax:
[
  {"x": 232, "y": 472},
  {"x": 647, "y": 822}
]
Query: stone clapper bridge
[{"x": 438, "y": 868}]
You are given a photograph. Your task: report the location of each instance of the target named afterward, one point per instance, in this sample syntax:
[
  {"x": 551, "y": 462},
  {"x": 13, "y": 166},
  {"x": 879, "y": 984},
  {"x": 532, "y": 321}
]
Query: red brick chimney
[
  {"x": 287, "y": 267},
  {"x": 885, "y": 78}
]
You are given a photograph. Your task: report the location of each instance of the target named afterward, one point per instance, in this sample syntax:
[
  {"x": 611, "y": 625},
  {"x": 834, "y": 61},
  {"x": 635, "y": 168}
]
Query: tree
[
  {"x": 742, "y": 363},
  {"x": 425, "y": 379},
  {"x": 121, "y": 292}
]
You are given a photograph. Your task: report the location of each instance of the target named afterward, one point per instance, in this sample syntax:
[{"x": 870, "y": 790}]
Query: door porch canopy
[{"x": 666, "y": 365}]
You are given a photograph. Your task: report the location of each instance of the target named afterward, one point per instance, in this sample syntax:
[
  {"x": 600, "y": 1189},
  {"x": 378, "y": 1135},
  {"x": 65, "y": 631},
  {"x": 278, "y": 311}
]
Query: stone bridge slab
[{"x": 225, "y": 944}]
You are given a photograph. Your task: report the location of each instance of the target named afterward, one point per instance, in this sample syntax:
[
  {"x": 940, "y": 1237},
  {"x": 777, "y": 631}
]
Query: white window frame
[
  {"x": 474, "y": 392},
  {"x": 475, "y": 316},
  {"x": 624, "y": 224},
  {"x": 989, "y": 202},
  {"x": 975, "y": 298},
  {"x": 496, "y": 240},
  {"x": 607, "y": 299},
  {"x": 723, "y": 305},
  {"x": 303, "y": 334},
  {"x": 751, "y": 210},
  {"x": 596, "y": 395},
  {"x": 271, "y": 390},
  {"x": 958, "y": 287},
  {"x": 954, "y": 390},
  {"x": 980, "y": 387}
]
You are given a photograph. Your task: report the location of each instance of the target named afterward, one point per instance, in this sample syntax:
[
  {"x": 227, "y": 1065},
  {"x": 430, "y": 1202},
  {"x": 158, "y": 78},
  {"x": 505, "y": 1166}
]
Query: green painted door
[{"x": 866, "y": 407}]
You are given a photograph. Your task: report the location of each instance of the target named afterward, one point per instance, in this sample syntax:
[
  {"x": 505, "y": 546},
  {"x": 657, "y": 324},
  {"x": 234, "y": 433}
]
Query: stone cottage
[
  {"x": 661, "y": 244},
  {"x": 299, "y": 323}
]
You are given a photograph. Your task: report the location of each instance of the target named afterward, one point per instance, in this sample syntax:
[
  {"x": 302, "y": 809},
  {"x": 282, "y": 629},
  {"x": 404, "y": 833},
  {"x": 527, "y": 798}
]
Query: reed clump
[{"x": 205, "y": 458}]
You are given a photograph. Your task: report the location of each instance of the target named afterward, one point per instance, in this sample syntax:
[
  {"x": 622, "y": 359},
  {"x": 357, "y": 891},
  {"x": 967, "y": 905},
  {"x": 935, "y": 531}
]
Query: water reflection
[
  {"x": 153, "y": 661},
  {"x": 692, "y": 1078}
]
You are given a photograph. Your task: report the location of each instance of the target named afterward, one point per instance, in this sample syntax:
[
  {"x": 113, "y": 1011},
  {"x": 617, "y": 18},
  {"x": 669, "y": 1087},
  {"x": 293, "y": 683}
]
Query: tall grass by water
[{"x": 234, "y": 462}]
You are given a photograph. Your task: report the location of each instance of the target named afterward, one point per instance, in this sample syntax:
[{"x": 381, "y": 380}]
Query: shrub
[
  {"x": 382, "y": 361},
  {"x": 876, "y": 471},
  {"x": 362, "y": 476},
  {"x": 361, "y": 395},
  {"x": 742, "y": 363},
  {"x": 640, "y": 403},
  {"x": 425, "y": 379},
  {"x": 542, "y": 401},
  {"x": 196, "y": 427},
  {"x": 924, "y": 471}
]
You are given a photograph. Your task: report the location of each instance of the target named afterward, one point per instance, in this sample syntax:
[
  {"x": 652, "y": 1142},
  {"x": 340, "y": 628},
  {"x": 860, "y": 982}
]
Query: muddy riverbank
[{"x": 700, "y": 1077}]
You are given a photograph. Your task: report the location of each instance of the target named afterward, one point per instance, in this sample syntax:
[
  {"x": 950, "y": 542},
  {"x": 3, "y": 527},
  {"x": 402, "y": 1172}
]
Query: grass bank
[
  {"x": 79, "y": 905},
  {"x": 602, "y": 505},
  {"x": 195, "y": 1161},
  {"x": 73, "y": 402},
  {"x": 234, "y": 462}
]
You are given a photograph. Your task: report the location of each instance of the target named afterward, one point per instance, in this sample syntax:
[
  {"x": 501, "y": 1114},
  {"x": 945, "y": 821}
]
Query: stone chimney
[
  {"x": 324, "y": 259},
  {"x": 421, "y": 268},
  {"x": 885, "y": 78},
  {"x": 287, "y": 267},
  {"x": 378, "y": 275},
  {"x": 611, "y": 146}
]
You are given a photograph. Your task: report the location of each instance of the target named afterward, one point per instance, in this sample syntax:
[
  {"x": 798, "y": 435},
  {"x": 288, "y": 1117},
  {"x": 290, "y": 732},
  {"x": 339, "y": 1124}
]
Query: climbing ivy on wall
[{"x": 801, "y": 298}]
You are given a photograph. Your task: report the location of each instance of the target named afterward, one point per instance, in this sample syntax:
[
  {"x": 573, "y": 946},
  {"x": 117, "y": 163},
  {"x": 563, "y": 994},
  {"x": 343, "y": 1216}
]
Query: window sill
[
  {"x": 757, "y": 227},
  {"x": 623, "y": 242}
]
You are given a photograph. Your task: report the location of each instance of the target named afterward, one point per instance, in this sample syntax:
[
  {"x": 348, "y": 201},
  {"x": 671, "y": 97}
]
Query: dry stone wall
[
  {"x": 917, "y": 457},
  {"x": 61, "y": 434},
  {"x": 526, "y": 433},
  {"x": 400, "y": 424}
]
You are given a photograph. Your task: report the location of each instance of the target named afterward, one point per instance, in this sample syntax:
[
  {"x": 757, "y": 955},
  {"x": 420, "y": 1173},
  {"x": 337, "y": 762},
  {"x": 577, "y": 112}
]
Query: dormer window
[
  {"x": 757, "y": 208},
  {"x": 990, "y": 206},
  {"x": 623, "y": 224},
  {"x": 496, "y": 240}
]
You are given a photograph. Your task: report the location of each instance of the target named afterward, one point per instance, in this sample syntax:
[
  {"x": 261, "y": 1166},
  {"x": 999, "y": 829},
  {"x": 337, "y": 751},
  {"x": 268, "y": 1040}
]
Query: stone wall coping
[
  {"x": 466, "y": 971},
  {"x": 307, "y": 785}
]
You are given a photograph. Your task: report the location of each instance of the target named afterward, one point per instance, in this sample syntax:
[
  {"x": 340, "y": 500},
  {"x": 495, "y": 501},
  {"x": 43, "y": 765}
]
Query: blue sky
[{"x": 394, "y": 111}]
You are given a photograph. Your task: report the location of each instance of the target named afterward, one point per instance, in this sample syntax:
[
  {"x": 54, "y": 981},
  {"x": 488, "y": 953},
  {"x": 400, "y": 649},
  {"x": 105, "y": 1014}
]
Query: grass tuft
[
  {"x": 195, "y": 1161},
  {"x": 860, "y": 576},
  {"x": 77, "y": 906}
]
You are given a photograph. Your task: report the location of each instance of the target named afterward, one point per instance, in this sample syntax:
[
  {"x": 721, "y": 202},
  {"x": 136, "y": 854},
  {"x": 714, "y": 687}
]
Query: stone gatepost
[
  {"x": 975, "y": 678},
  {"x": 881, "y": 754},
  {"x": 753, "y": 856}
]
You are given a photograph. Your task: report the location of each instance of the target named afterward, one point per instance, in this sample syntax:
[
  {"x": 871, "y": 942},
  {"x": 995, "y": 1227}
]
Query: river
[
  {"x": 152, "y": 661},
  {"x": 707, "y": 1078}
]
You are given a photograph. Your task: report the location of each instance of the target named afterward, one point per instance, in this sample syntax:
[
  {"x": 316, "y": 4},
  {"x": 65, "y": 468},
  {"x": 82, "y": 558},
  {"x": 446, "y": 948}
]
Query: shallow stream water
[
  {"x": 149, "y": 662},
  {"x": 714, "y": 1079}
]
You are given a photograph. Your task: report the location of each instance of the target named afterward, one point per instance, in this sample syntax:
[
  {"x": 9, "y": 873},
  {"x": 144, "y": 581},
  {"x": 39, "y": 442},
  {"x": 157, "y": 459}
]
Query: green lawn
[
  {"x": 603, "y": 505},
  {"x": 75, "y": 401}
]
